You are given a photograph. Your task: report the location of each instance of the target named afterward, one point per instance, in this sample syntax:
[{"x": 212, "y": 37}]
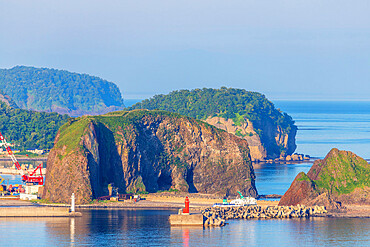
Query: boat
[{"x": 238, "y": 202}]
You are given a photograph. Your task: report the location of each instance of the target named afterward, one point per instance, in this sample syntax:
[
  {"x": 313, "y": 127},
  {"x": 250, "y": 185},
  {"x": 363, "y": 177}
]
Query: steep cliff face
[
  {"x": 341, "y": 178},
  {"x": 244, "y": 130},
  {"x": 146, "y": 151},
  {"x": 277, "y": 142}
]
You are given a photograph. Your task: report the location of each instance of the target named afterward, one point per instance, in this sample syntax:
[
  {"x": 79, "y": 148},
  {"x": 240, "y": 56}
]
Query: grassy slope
[
  {"x": 343, "y": 173},
  {"x": 71, "y": 133}
]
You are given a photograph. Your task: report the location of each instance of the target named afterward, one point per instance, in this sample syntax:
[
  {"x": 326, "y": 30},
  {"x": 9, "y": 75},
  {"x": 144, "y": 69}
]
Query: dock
[
  {"x": 186, "y": 220},
  {"x": 37, "y": 212}
]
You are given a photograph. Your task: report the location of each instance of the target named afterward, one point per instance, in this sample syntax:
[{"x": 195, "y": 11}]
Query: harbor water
[{"x": 151, "y": 228}]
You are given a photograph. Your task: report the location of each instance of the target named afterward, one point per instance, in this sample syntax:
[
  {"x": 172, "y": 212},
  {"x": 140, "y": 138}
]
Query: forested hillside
[
  {"x": 52, "y": 90},
  {"x": 230, "y": 103},
  {"x": 29, "y": 129},
  {"x": 7, "y": 99}
]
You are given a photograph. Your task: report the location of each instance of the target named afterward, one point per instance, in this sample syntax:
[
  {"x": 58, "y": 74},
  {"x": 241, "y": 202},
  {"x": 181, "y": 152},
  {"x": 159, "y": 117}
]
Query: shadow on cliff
[
  {"x": 110, "y": 165},
  {"x": 190, "y": 180},
  {"x": 150, "y": 159}
]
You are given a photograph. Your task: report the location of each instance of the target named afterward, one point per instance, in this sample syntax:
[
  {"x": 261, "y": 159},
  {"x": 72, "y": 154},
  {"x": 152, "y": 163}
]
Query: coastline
[{"x": 166, "y": 201}]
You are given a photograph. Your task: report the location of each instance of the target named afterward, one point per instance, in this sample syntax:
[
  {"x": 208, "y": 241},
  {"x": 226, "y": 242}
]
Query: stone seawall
[{"x": 216, "y": 216}]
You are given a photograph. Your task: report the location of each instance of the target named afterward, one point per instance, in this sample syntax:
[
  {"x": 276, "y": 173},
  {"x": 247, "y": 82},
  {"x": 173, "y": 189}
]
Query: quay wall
[{"x": 36, "y": 212}]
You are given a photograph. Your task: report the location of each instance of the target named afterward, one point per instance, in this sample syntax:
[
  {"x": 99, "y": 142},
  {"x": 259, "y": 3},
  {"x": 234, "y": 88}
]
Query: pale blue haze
[{"x": 285, "y": 49}]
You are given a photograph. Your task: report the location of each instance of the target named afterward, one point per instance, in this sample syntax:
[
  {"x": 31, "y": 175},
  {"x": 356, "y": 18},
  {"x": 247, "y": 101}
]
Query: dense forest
[
  {"x": 29, "y": 129},
  {"x": 7, "y": 99},
  {"x": 225, "y": 102},
  {"x": 229, "y": 103},
  {"x": 43, "y": 89}
]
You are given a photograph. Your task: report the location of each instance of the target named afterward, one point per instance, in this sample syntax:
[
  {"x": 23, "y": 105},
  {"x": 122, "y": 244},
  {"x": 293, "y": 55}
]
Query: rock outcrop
[
  {"x": 245, "y": 130},
  {"x": 339, "y": 179},
  {"x": 145, "y": 150}
]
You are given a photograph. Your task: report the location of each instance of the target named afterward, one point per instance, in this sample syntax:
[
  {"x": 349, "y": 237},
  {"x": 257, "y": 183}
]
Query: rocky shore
[
  {"x": 217, "y": 216},
  {"x": 286, "y": 158}
]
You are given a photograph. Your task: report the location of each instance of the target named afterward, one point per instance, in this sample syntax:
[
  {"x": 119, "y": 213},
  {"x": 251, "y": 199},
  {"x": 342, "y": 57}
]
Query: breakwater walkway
[{"x": 217, "y": 216}]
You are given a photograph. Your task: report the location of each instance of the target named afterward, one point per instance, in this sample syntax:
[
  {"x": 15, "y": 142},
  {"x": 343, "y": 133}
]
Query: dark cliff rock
[
  {"x": 341, "y": 178},
  {"x": 145, "y": 151}
]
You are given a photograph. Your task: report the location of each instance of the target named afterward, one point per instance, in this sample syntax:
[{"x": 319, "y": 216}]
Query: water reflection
[
  {"x": 72, "y": 231},
  {"x": 185, "y": 237},
  {"x": 151, "y": 228},
  {"x": 276, "y": 232}
]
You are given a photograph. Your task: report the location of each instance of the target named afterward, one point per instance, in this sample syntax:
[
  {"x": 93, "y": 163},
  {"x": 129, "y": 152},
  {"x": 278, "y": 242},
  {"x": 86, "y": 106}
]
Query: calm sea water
[
  {"x": 151, "y": 228},
  {"x": 322, "y": 125},
  {"x": 276, "y": 178}
]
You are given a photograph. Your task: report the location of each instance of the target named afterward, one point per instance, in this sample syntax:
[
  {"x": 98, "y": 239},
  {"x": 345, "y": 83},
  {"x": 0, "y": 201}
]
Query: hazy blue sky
[{"x": 285, "y": 49}]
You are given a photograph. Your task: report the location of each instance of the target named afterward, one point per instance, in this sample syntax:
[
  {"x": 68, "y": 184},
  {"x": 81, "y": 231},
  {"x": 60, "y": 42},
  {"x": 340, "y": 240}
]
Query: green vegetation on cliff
[
  {"x": 228, "y": 103},
  {"x": 119, "y": 122},
  {"x": 71, "y": 132},
  {"x": 342, "y": 172},
  {"x": 341, "y": 178},
  {"x": 30, "y": 129},
  {"x": 60, "y": 91}
]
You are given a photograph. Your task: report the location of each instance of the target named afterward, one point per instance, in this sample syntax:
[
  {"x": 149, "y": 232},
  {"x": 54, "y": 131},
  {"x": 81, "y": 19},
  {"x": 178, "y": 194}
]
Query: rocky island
[
  {"x": 339, "y": 180},
  {"x": 269, "y": 132},
  {"x": 144, "y": 150}
]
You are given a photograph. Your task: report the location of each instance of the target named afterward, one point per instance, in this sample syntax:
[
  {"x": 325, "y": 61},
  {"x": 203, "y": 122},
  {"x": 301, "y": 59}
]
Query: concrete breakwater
[
  {"x": 31, "y": 211},
  {"x": 216, "y": 216}
]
